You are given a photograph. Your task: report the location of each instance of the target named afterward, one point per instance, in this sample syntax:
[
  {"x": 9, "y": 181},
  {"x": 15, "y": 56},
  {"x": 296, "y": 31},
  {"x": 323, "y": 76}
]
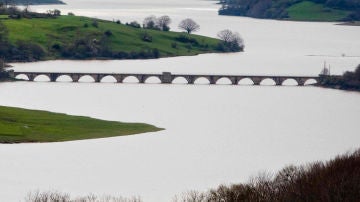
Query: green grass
[
  {"x": 310, "y": 11},
  {"x": 4, "y": 17},
  {"x": 65, "y": 29},
  {"x": 22, "y": 126}
]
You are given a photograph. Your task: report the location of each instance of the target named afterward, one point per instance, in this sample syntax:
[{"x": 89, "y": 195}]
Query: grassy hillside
[
  {"x": 82, "y": 37},
  {"x": 20, "y": 125},
  {"x": 305, "y": 10},
  {"x": 311, "y": 11}
]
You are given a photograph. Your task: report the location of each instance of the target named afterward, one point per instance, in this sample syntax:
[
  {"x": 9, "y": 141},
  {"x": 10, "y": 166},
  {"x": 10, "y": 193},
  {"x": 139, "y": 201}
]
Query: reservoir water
[{"x": 214, "y": 134}]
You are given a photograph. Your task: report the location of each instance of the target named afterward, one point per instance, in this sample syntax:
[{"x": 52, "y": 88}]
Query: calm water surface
[{"x": 214, "y": 134}]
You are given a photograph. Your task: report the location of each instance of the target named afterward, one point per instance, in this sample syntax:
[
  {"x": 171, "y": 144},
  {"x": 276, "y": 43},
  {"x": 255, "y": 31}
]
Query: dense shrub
[
  {"x": 187, "y": 39},
  {"x": 134, "y": 24},
  {"x": 145, "y": 36},
  {"x": 95, "y": 23},
  {"x": 108, "y": 33}
]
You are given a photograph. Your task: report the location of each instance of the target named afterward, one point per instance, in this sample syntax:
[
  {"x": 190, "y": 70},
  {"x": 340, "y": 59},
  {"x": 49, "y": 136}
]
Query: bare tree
[
  {"x": 163, "y": 22},
  {"x": 27, "y": 6},
  {"x": 231, "y": 39},
  {"x": 189, "y": 25},
  {"x": 150, "y": 22}
]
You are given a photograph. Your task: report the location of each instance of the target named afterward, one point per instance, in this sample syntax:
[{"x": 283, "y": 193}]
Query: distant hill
[
  {"x": 304, "y": 10},
  {"x": 32, "y": 2}
]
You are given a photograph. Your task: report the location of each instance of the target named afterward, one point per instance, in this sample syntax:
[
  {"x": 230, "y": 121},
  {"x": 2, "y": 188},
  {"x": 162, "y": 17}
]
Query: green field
[
  {"x": 24, "y": 126},
  {"x": 310, "y": 11},
  {"x": 56, "y": 34}
]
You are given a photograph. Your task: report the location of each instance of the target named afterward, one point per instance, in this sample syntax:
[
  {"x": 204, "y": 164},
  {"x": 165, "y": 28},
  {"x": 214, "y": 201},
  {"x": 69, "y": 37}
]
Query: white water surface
[{"x": 214, "y": 134}]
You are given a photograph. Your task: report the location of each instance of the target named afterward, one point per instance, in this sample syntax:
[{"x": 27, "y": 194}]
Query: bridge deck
[{"x": 168, "y": 77}]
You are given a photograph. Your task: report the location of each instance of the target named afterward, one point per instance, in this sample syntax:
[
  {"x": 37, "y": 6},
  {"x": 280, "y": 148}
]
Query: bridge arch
[
  {"x": 153, "y": 80},
  {"x": 86, "y": 79},
  {"x": 267, "y": 82},
  {"x": 310, "y": 82},
  {"x": 201, "y": 80},
  {"x": 246, "y": 81},
  {"x": 108, "y": 79},
  {"x": 64, "y": 78},
  {"x": 42, "y": 78},
  {"x": 180, "y": 80},
  {"x": 290, "y": 82},
  {"x": 224, "y": 81},
  {"x": 22, "y": 76},
  {"x": 131, "y": 79}
]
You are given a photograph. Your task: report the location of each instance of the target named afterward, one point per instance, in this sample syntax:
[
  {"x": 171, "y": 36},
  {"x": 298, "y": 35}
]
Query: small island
[
  {"x": 300, "y": 10},
  {"x": 30, "y": 126}
]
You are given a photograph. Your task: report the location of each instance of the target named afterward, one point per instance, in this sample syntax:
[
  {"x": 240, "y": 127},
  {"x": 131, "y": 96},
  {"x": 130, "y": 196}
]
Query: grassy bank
[
  {"x": 22, "y": 126},
  {"x": 74, "y": 37}
]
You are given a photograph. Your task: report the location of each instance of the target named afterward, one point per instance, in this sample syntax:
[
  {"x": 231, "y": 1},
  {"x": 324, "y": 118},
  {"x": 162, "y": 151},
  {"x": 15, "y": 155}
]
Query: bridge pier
[
  {"x": 166, "y": 78},
  {"x": 119, "y": 78},
  {"x": 256, "y": 80},
  {"x": 212, "y": 80},
  {"x": 52, "y": 77},
  {"x": 75, "y": 77}
]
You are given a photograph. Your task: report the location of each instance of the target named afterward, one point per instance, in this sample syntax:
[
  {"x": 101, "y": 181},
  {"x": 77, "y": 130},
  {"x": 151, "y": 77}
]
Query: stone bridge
[{"x": 168, "y": 77}]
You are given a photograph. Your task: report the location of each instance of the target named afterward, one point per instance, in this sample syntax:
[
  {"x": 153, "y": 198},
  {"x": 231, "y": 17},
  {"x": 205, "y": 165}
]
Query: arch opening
[
  {"x": 310, "y": 82},
  {"x": 246, "y": 82},
  {"x": 131, "y": 79},
  {"x": 42, "y": 78},
  {"x": 224, "y": 81},
  {"x": 64, "y": 78},
  {"x": 108, "y": 79},
  {"x": 202, "y": 81},
  {"x": 153, "y": 80},
  {"x": 290, "y": 82},
  {"x": 23, "y": 77},
  {"x": 86, "y": 79},
  {"x": 268, "y": 82},
  {"x": 180, "y": 80}
]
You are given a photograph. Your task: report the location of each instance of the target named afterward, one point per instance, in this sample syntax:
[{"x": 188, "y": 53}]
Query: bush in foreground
[{"x": 335, "y": 180}]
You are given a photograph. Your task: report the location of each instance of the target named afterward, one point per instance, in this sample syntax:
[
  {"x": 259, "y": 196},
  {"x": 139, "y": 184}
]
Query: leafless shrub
[{"x": 54, "y": 196}]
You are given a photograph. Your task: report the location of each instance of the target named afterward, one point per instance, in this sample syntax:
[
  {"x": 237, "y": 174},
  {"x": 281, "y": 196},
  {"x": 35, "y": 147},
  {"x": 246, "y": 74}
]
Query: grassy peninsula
[
  {"x": 33, "y": 36},
  {"x": 25, "y": 126},
  {"x": 298, "y": 10}
]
